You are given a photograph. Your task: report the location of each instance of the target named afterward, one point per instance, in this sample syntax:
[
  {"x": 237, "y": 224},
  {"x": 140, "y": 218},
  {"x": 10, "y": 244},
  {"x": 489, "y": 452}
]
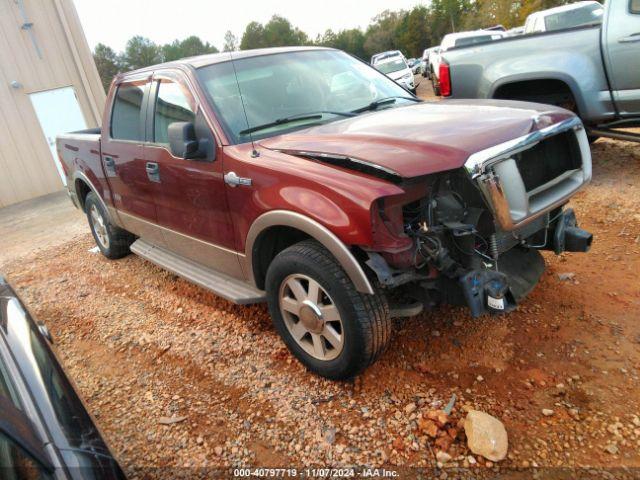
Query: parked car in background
[
  {"x": 378, "y": 56},
  {"x": 564, "y": 17},
  {"x": 45, "y": 430},
  {"x": 396, "y": 68},
  {"x": 425, "y": 60},
  {"x": 458, "y": 40},
  {"x": 515, "y": 31},
  {"x": 415, "y": 65},
  {"x": 592, "y": 70},
  {"x": 326, "y": 200}
]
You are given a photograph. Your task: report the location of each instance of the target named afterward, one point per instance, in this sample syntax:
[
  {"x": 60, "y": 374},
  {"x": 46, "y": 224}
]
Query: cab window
[
  {"x": 172, "y": 105},
  {"x": 126, "y": 123}
]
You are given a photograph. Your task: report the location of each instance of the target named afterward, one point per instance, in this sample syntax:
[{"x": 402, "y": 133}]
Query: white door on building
[{"x": 58, "y": 112}]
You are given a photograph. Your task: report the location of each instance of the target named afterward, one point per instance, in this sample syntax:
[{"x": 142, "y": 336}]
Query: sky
[{"x": 163, "y": 21}]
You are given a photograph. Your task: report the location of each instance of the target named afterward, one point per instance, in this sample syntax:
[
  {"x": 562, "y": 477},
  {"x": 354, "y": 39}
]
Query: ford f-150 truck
[
  {"x": 592, "y": 69},
  {"x": 307, "y": 179}
]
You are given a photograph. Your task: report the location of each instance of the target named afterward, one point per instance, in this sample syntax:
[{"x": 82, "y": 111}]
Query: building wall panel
[{"x": 26, "y": 167}]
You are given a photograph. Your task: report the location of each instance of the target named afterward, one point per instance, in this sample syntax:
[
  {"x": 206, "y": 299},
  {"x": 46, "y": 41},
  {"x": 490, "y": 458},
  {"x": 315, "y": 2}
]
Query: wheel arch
[
  {"x": 82, "y": 185},
  {"x": 552, "y": 83},
  {"x": 282, "y": 228}
]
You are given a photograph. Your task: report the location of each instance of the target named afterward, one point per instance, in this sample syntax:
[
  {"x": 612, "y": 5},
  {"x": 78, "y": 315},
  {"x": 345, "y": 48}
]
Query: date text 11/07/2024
[{"x": 315, "y": 473}]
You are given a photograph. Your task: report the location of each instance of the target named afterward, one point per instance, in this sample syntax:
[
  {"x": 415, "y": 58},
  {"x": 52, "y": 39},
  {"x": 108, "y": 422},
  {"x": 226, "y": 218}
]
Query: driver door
[{"x": 191, "y": 202}]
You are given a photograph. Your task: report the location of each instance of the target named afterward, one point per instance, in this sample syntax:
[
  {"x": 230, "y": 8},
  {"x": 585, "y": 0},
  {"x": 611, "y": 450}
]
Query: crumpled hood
[{"x": 423, "y": 138}]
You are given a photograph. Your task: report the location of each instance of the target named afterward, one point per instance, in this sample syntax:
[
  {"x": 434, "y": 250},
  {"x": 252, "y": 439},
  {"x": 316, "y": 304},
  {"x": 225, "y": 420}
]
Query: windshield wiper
[
  {"x": 383, "y": 101},
  {"x": 293, "y": 118}
]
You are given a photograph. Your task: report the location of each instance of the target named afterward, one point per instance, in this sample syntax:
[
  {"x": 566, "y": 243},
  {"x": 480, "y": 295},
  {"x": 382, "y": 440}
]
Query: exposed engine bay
[{"x": 457, "y": 253}]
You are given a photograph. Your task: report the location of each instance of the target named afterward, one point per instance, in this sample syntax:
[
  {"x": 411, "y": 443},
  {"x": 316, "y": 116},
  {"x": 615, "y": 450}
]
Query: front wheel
[
  {"x": 112, "y": 241},
  {"x": 333, "y": 329}
]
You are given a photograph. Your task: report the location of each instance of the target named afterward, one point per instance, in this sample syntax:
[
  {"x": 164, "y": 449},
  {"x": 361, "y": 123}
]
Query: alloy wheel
[
  {"x": 99, "y": 227},
  {"x": 311, "y": 317}
]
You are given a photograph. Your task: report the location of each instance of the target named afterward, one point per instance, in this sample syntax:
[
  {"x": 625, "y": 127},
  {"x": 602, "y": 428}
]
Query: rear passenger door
[
  {"x": 621, "y": 43},
  {"x": 132, "y": 184}
]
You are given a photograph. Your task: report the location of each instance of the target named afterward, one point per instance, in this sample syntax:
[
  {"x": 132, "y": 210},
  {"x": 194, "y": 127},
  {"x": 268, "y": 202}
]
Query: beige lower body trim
[{"x": 208, "y": 254}]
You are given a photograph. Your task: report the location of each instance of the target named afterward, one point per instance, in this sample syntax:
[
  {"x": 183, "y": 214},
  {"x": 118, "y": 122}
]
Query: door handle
[
  {"x": 234, "y": 180},
  {"x": 153, "y": 172},
  {"x": 634, "y": 37},
  {"x": 110, "y": 166}
]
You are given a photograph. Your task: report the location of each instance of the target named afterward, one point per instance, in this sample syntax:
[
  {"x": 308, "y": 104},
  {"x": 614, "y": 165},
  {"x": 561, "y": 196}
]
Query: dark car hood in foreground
[
  {"x": 424, "y": 138},
  {"x": 69, "y": 426}
]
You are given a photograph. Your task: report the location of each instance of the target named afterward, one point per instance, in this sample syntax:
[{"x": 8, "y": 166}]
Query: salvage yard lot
[{"x": 178, "y": 377}]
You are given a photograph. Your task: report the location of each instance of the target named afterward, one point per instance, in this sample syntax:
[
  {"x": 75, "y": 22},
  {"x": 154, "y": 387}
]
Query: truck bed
[
  {"x": 79, "y": 153},
  {"x": 572, "y": 56}
]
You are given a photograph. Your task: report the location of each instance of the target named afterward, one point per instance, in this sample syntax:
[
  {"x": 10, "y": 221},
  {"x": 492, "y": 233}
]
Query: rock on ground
[{"x": 486, "y": 435}]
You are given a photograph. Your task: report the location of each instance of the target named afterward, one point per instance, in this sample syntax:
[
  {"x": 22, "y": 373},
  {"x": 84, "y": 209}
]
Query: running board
[
  {"x": 223, "y": 285},
  {"x": 618, "y": 135}
]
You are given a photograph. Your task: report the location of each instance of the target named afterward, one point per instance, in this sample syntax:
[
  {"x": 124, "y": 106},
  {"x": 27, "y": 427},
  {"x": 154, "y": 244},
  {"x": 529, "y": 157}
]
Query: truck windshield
[
  {"x": 284, "y": 85},
  {"x": 391, "y": 66},
  {"x": 587, "y": 15}
]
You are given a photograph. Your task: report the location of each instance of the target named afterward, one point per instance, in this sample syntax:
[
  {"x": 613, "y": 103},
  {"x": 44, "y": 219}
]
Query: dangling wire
[{"x": 254, "y": 152}]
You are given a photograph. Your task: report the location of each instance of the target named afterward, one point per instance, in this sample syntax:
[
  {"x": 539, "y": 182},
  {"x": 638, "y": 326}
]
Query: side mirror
[{"x": 182, "y": 140}]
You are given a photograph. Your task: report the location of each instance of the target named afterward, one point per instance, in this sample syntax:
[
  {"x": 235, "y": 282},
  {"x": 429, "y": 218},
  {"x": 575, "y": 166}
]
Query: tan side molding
[{"x": 286, "y": 218}]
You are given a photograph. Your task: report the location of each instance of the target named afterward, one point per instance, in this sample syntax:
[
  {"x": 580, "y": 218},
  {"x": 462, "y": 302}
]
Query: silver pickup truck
[{"x": 593, "y": 70}]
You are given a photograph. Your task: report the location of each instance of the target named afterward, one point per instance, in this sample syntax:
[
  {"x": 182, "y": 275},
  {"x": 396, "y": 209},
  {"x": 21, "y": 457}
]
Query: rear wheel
[
  {"x": 112, "y": 241},
  {"x": 435, "y": 85},
  {"x": 333, "y": 329}
]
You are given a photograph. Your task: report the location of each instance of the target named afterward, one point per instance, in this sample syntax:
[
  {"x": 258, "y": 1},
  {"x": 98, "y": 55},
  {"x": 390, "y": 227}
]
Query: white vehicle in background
[
  {"x": 515, "y": 31},
  {"x": 460, "y": 39},
  {"x": 425, "y": 60},
  {"x": 379, "y": 56},
  {"x": 394, "y": 66},
  {"x": 568, "y": 16}
]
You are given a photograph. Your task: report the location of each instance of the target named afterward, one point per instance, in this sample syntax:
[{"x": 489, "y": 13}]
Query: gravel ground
[{"x": 177, "y": 377}]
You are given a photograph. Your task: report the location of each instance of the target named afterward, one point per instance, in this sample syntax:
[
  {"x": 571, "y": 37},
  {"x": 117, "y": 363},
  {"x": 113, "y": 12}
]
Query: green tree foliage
[
  {"x": 447, "y": 16},
  {"x": 381, "y": 34},
  {"x": 108, "y": 64},
  {"x": 277, "y": 32},
  {"x": 230, "y": 42},
  {"x": 253, "y": 36},
  {"x": 189, "y": 47},
  {"x": 414, "y": 31},
  {"x": 487, "y": 13},
  {"x": 351, "y": 41},
  {"x": 410, "y": 31},
  {"x": 141, "y": 52}
]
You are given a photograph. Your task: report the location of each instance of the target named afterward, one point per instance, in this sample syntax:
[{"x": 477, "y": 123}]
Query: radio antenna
[{"x": 254, "y": 152}]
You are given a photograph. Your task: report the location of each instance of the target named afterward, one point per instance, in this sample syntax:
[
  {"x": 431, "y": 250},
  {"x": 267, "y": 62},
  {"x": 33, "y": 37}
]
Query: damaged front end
[{"x": 472, "y": 236}]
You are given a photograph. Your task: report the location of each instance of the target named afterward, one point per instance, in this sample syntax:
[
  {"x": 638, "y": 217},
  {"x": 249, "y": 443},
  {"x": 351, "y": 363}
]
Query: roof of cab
[{"x": 210, "y": 59}]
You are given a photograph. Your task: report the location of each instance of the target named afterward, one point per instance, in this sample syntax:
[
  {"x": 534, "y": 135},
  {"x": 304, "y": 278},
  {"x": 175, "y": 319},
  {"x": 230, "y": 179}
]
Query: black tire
[
  {"x": 435, "y": 85},
  {"x": 117, "y": 241},
  {"x": 365, "y": 321},
  {"x": 592, "y": 138}
]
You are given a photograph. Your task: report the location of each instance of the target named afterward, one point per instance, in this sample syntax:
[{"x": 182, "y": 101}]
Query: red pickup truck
[{"x": 305, "y": 178}]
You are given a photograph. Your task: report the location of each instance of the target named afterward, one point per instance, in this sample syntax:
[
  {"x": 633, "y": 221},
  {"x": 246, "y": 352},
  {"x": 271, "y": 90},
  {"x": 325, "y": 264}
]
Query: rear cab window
[
  {"x": 126, "y": 115},
  {"x": 634, "y": 6}
]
